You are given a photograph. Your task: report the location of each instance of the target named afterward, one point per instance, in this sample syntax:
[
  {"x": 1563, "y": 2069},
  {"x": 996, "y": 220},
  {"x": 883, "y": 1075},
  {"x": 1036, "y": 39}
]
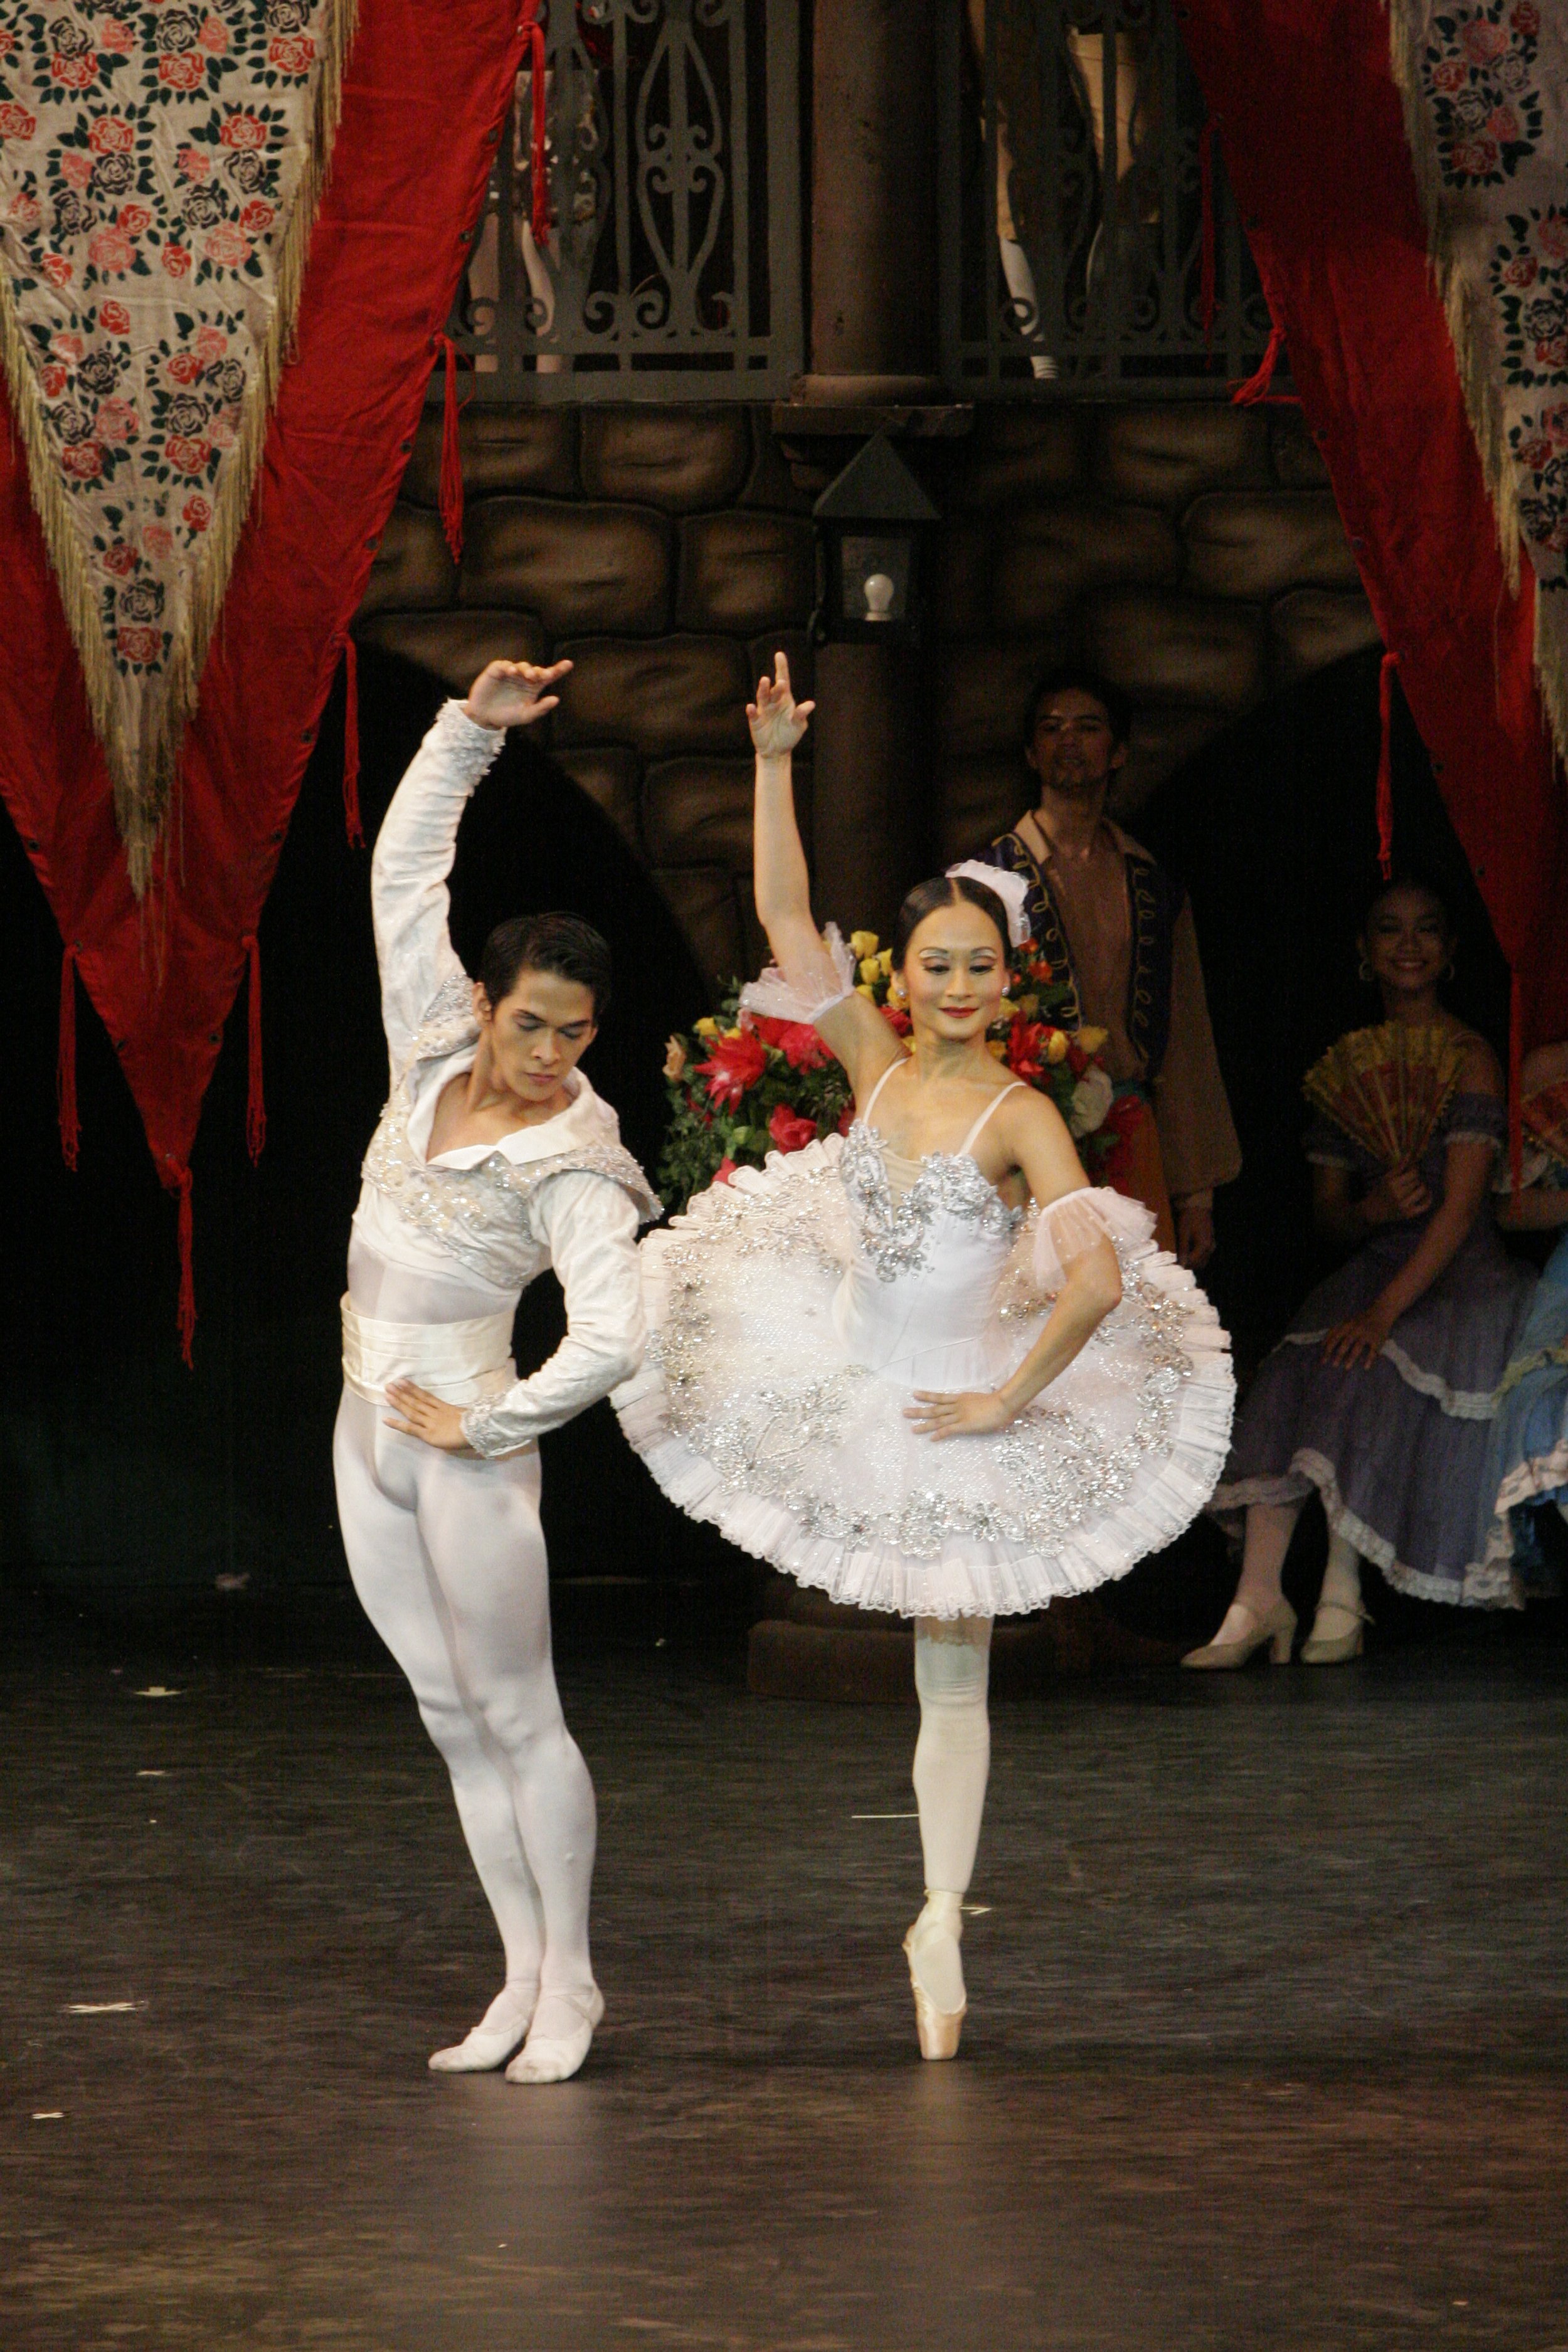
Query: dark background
[{"x": 127, "y": 1482}]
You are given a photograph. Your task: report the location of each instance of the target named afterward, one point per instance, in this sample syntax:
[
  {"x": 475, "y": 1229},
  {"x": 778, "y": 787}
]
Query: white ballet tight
[
  {"x": 448, "y": 1557},
  {"x": 952, "y": 1754}
]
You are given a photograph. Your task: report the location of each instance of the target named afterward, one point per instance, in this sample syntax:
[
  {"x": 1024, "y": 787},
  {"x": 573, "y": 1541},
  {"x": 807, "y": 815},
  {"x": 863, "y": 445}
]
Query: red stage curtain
[
  {"x": 428, "y": 84},
  {"x": 1314, "y": 141}
]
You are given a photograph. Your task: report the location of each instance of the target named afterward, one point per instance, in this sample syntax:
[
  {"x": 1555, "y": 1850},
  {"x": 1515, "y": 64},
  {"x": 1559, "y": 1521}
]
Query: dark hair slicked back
[
  {"x": 1076, "y": 677},
  {"x": 945, "y": 890},
  {"x": 562, "y": 944}
]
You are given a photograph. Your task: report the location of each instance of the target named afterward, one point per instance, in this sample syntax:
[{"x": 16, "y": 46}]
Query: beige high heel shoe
[
  {"x": 1336, "y": 1635},
  {"x": 1278, "y": 1628},
  {"x": 938, "y": 2029}
]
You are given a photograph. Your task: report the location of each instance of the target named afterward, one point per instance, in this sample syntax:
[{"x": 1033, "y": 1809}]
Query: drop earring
[{"x": 1364, "y": 972}]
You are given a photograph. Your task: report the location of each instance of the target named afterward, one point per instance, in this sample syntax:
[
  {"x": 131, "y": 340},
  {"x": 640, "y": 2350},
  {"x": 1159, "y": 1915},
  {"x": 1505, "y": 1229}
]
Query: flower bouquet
[{"x": 741, "y": 1085}]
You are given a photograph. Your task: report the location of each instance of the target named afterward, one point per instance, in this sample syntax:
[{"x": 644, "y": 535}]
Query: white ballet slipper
[
  {"x": 495, "y": 2037},
  {"x": 560, "y": 2038}
]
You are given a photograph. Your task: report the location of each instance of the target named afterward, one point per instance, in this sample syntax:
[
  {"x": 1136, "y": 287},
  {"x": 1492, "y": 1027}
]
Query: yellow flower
[
  {"x": 675, "y": 1058},
  {"x": 1091, "y": 1040},
  {"x": 998, "y": 1045},
  {"x": 885, "y": 963},
  {"x": 707, "y": 1027},
  {"x": 1057, "y": 1051},
  {"x": 870, "y": 969},
  {"x": 862, "y": 990},
  {"x": 862, "y": 944},
  {"x": 1006, "y": 1008}
]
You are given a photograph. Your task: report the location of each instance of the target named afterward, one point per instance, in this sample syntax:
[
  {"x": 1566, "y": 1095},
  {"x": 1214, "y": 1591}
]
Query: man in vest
[{"x": 1118, "y": 932}]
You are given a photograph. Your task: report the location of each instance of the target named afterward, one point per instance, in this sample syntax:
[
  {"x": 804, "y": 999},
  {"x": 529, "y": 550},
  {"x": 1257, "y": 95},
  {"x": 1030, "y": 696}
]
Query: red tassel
[
  {"x": 1256, "y": 388},
  {"x": 533, "y": 33},
  {"x": 1206, "y": 298},
  {"x": 187, "y": 1276},
  {"x": 65, "y": 1066},
  {"x": 351, "y": 822},
  {"x": 255, "y": 1102},
  {"x": 1515, "y": 1088},
  {"x": 451, "y": 492},
  {"x": 1386, "y": 765}
]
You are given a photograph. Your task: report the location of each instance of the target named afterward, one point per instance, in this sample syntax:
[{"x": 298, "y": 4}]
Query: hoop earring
[
  {"x": 1450, "y": 970},
  {"x": 1364, "y": 972}
]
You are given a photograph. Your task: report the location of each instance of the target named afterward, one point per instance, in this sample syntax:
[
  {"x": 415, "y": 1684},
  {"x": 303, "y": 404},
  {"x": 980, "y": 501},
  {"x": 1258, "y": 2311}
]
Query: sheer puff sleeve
[
  {"x": 805, "y": 992},
  {"x": 1068, "y": 1228}
]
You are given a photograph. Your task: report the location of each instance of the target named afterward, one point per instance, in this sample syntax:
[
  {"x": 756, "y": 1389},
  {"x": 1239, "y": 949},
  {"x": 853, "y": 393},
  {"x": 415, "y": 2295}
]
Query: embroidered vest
[
  {"x": 479, "y": 1213},
  {"x": 1153, "y": 903}
]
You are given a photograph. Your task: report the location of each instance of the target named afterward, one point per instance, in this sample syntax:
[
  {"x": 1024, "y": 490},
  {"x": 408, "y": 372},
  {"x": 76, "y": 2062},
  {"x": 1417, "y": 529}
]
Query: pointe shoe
[
  {"x": 494, "y": 2038},
  {"x": 1336, "y": 1635},
  {"x": 1277, "y": 1627},
  {"x": 938, "y": 2029},
  {"x": 554, "y": 2057}
]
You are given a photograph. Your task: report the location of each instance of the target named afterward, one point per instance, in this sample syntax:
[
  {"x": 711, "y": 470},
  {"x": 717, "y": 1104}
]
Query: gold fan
[
  {"x": 1544, "y": 1116},
  {"x": 1388, "y": 1086}
]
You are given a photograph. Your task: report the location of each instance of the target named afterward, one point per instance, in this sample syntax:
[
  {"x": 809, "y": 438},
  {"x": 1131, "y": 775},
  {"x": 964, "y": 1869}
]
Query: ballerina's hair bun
[
  {"x": 949, "y": 890},
  {"x": 564, "y": 945}
]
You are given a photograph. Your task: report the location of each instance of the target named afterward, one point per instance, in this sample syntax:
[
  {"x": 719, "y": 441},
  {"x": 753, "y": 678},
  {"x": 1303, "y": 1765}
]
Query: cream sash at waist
[{"x": 458, "y": 1362}]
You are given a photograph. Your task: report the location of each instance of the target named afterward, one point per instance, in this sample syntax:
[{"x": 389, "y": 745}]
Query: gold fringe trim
[
  {"x": 1471, "y": 332},
  {"x": 144, "y": 777}
]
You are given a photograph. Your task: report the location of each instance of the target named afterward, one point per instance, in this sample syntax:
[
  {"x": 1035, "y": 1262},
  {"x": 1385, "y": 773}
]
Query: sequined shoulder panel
[
  {"x": 895, "y": 1235},
  {"x": 448, "y": 1025}
]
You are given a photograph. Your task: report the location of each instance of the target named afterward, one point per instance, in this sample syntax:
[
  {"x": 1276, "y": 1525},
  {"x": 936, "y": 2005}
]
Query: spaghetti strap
[
  {"x": 968, "y": 1144},
  {"x": 871, "y": 1099}
]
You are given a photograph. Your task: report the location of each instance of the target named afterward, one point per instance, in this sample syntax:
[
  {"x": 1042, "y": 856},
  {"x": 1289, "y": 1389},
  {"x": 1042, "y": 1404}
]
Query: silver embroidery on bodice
[
  {"x": 479, "y": 1213},
  {"x": 895, "y": 1235}
]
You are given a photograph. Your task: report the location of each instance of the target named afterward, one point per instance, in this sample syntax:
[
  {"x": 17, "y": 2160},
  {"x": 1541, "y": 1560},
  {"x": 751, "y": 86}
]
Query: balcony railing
[
  {"x": 671, "y": 269},
  {"x": 1071, "y": 208}
]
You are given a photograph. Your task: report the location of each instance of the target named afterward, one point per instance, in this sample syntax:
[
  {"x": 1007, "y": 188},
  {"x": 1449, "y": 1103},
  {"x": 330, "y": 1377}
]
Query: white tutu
[{"x": 791, "y": 1312}]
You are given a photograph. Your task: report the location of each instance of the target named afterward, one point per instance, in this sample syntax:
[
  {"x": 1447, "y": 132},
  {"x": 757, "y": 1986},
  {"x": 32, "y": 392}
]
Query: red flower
[
  {"x": 111, "y": 134},
  {"x": 76, "y": 168},
  {"x": 227, "y": 245},
  {"x": 214, "y": 35},
  {"x": 1524, "y": 271},
  {"x": 176, "y": 260},
  {"x": 1535, "y": 454},
  {"x": 1554, "y": 421},
  {"x": 725, "y": 1169},
  {"x": 53, "y": 379},
  {"x": 114, "y": 318},
  {"x": 1551, "y": 234},
  {"x": 186, "y": 455},
  {"x": 799, "y": 1044},
  {"x": 1553, "y": 352},
  {"x": 184, "y": 368},
  {"x": 1503, "y": 124},
  {"x": 118, "y": 421},
  {"x": 1526, "y": 20},
  {"x": 73, "y": 73},
  {"x": 256, "y": 216},
  {"x": 1077, "y": 1059},
  {"x": 1481, "y": 43},
  {"x": 1450, "y": 76},
  {"x": 25, "y": 210},
  {"x": 209, "y": 345},
  {"x": 159, "y": 540},
  {"x": 789, "y": 1130},
  {"x": 67, "y": 347},
  {"x": 110, "y": 249},
  {"x": 83, "y": 461},
  {"x": 291, "y": 54},
  {"x": 193, "y": 164},
  {"x": 120, "y": 559},
  {"x": 134, "y": 218},
  {"x": 15, "y": 122},
  {"x": 55, "y": 268},
  {"x": 243, "y": 131},
  {"x": 897, "y": 1019},
  {"x": 133, "y": 642},
  {"x": 196, "y": 514},
  {"x": 1473, "y": 159},
  {"x": 186, "y": 71},
  {"x": 1024, "y": 1041},
  {"x": 733, "y": 1068},
  {"x": 114, "y": 37}
]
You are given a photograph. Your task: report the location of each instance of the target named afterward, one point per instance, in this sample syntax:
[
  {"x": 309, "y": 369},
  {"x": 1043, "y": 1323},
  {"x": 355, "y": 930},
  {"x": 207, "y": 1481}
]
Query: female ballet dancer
[
  {"x": 493, "y": 1160},
  {"x": 859, "y": 1371}
]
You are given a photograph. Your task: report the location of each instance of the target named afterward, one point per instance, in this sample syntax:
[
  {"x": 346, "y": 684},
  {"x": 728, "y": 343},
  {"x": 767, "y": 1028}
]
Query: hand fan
[{"x": 1388, "y": 1086}]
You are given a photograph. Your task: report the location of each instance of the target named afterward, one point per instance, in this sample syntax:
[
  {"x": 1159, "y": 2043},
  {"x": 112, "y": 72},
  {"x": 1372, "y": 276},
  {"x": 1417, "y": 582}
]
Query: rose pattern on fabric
[
  {"x": 150, "y": 159},
  {"x": 1478, "y": 72}
]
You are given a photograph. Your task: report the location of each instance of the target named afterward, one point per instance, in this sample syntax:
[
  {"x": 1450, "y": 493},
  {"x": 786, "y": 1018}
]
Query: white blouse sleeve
[
  {"x": 803, "y": 992},
  {"x": 589, "y": 1224},
  {"x": 414, "y": 851},
  {"x": 1070, "y": 1227}
]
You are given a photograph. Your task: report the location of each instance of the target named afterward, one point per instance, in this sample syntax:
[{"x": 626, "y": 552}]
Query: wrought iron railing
[
  {"x": 1072, "y": 216},
  {"x": 671, "y": 266}
]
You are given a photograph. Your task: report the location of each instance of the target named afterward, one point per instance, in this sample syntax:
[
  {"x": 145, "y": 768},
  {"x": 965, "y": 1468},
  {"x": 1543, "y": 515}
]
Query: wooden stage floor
[{"x": 1267, "y": 2043}]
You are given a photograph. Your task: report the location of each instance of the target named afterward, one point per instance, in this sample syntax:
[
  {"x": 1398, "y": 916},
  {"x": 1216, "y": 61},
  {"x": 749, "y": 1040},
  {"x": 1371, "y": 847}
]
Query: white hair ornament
[{"x": 1011, "y": 888}]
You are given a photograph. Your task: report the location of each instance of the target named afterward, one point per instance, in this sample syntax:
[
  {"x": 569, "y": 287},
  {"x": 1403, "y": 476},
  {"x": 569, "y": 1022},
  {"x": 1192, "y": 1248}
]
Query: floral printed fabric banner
[
  {"x": 160, "y": 169},
  {"x": 1484, "y": 92}
]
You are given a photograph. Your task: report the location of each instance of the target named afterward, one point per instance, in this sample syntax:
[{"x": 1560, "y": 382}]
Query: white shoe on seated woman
[{"x": 1245, "y": 1631}]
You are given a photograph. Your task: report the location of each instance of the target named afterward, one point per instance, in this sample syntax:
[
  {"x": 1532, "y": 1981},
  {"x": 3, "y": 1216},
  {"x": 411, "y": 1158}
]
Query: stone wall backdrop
[{"x": 1191, "y": 551}]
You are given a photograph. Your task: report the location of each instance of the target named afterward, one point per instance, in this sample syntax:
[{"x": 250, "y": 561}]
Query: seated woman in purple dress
[{"x": 1380, "y": 1395}]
